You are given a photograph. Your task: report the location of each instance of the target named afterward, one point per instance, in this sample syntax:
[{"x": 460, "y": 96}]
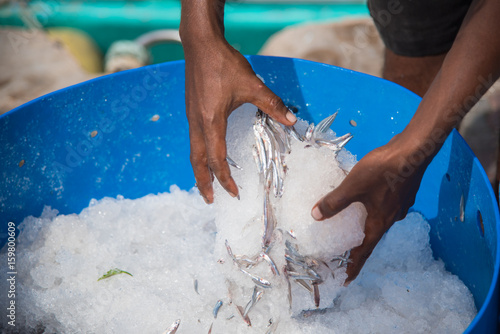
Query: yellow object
[{"x": 80, "y": 45}]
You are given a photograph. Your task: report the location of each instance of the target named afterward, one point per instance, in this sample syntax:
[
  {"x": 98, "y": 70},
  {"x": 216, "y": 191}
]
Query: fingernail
[
  {"x": 291, "y": 117},
  {"x": 316, "y": 214},
  {"x": 234, "y": 195}
]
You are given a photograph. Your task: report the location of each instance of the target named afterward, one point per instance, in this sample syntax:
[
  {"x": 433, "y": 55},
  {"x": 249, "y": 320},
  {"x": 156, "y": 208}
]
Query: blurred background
[{"x": 48, "y": 45}]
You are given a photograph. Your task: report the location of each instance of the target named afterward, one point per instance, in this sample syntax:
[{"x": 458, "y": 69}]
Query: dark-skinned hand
[
  {"x": 375, "y": 181},
  {"x": 218, "y": 80}
]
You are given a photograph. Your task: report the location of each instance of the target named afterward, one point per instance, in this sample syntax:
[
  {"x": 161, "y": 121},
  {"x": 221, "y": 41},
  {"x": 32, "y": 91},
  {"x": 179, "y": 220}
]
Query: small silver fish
[
  {"x": 303, "y": 284},
  {"x": 217, "y": 307},
  {"x": 246, "y": 261},
  {"x": 324, "y": 125},
  {"x": 316, "y": 294},
  {"x": 173, "y": 328},
  {"x": 289, "y": 285},
  {"x": 269, "y": 222},
  {"x": 257, "y": 280},
  {"x": 314, "y": 274},
  {"x": 281, "y": 134},
  {"x": 273, "y": 325},
  {"x": 276, "y": 179},
  {"x": 230, "y": 252},
  {"x": 292, "y": 250},
  {"x": 299, "y": 263},
  {"x": 196, "y": 286},
  {"x": 246, "y": 319},
  {"x": 256, "y": 296},
  {"x": 268, "y": 259},
  {"x": 256, "y": 158},
  {"x": 261, "y": 148},
  {"x": 290, "y": 130},
  {"x": 309, "y": 132},
  {"x": 343, "y": 259},
  {"x": 232, "y": 163},
  {"x": 335, "y": 145},
  {"x": 299, "y": 276}
]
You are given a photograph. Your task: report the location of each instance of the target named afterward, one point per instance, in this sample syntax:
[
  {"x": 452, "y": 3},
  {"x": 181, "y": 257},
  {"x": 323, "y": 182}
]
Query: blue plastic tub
[{"x": 97, "y": 139}]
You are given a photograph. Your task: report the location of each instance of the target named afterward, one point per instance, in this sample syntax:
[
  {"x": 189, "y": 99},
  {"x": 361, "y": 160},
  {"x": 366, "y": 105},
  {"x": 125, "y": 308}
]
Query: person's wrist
[
  {"x": 413, "y": 149},
  {"x": 201, "y": 40}
]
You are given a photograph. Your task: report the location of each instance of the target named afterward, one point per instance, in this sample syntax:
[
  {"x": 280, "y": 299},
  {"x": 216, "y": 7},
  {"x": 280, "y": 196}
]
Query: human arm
[
  {"x": 386, "y": 180},
  {"x": 218, "y": 80}
]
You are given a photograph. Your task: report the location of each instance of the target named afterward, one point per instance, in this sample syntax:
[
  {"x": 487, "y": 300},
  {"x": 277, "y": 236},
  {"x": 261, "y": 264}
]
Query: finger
[
  {"x": 199, "y": 162},
  {"x": 331, "y": 204},
  {"x": 360, "y": 254},
  {"x": 215, "y": 141},
  {"x": 272, "y": 105}
]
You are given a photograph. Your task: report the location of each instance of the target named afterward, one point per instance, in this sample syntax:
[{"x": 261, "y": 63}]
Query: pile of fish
[{"x": 272, "y": 145}]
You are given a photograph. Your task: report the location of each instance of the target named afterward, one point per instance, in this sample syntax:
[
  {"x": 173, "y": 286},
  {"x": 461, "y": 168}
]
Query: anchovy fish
[
  {"x": 303, "y": 284},
  {"x": 217, "y": 307},
  {"x": 324, "y": 125},
  {"x": 343, "y": 259},
  {"x": 272, "y": 327},
  {"x": 292, "y": 251},
  {"x": 316, "y": 294},
  {"x": 335, "y": 145},
  {"x": 246, "y": 261},
  {"x": 230, "y": 252},
  {"x": 246, "y": 319},
  {"x": 290, "y": 130},
  {"x": 232, "y": 163},
  {"x": 309, "y": 132},
  {"x": 281, "y": 134},
  {"x": 276, "y": 179},
  {"x": 256, "y": 296},
  {"x": 292, "y": 260},
  {"x": 269, "y": 222},
  {"x": 196, "y": 286},
  {"x": 256, "y": 157},
  {"x": 257, "y": 280},
  {"x": 285, "y": 273},
  {"x": 173, "y": 328},
  {"x": 268, "y": 259},
  {"x": 299, "y": 276}
]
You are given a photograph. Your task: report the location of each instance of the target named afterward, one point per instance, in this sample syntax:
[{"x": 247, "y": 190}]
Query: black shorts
[{"x": 418, "y": 28}]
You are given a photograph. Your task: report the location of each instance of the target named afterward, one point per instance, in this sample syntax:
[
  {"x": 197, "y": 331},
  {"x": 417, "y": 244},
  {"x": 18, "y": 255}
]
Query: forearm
[
  {"x": 202, "y": 22},
  {"x": 470, "y": 68}
]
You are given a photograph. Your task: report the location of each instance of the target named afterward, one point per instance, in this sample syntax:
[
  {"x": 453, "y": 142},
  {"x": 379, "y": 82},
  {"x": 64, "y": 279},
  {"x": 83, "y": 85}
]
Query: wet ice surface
[{"x": 169, "y": 241}]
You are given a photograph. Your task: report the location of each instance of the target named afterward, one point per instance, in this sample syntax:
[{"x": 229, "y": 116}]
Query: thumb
[
  {"x": 272, "y": 105},
  {"x": 334, "y": 202}
]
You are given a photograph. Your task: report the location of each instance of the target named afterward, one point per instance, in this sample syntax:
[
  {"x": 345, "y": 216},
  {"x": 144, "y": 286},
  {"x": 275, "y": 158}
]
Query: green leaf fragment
[{"x": 113, "y": 272}]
